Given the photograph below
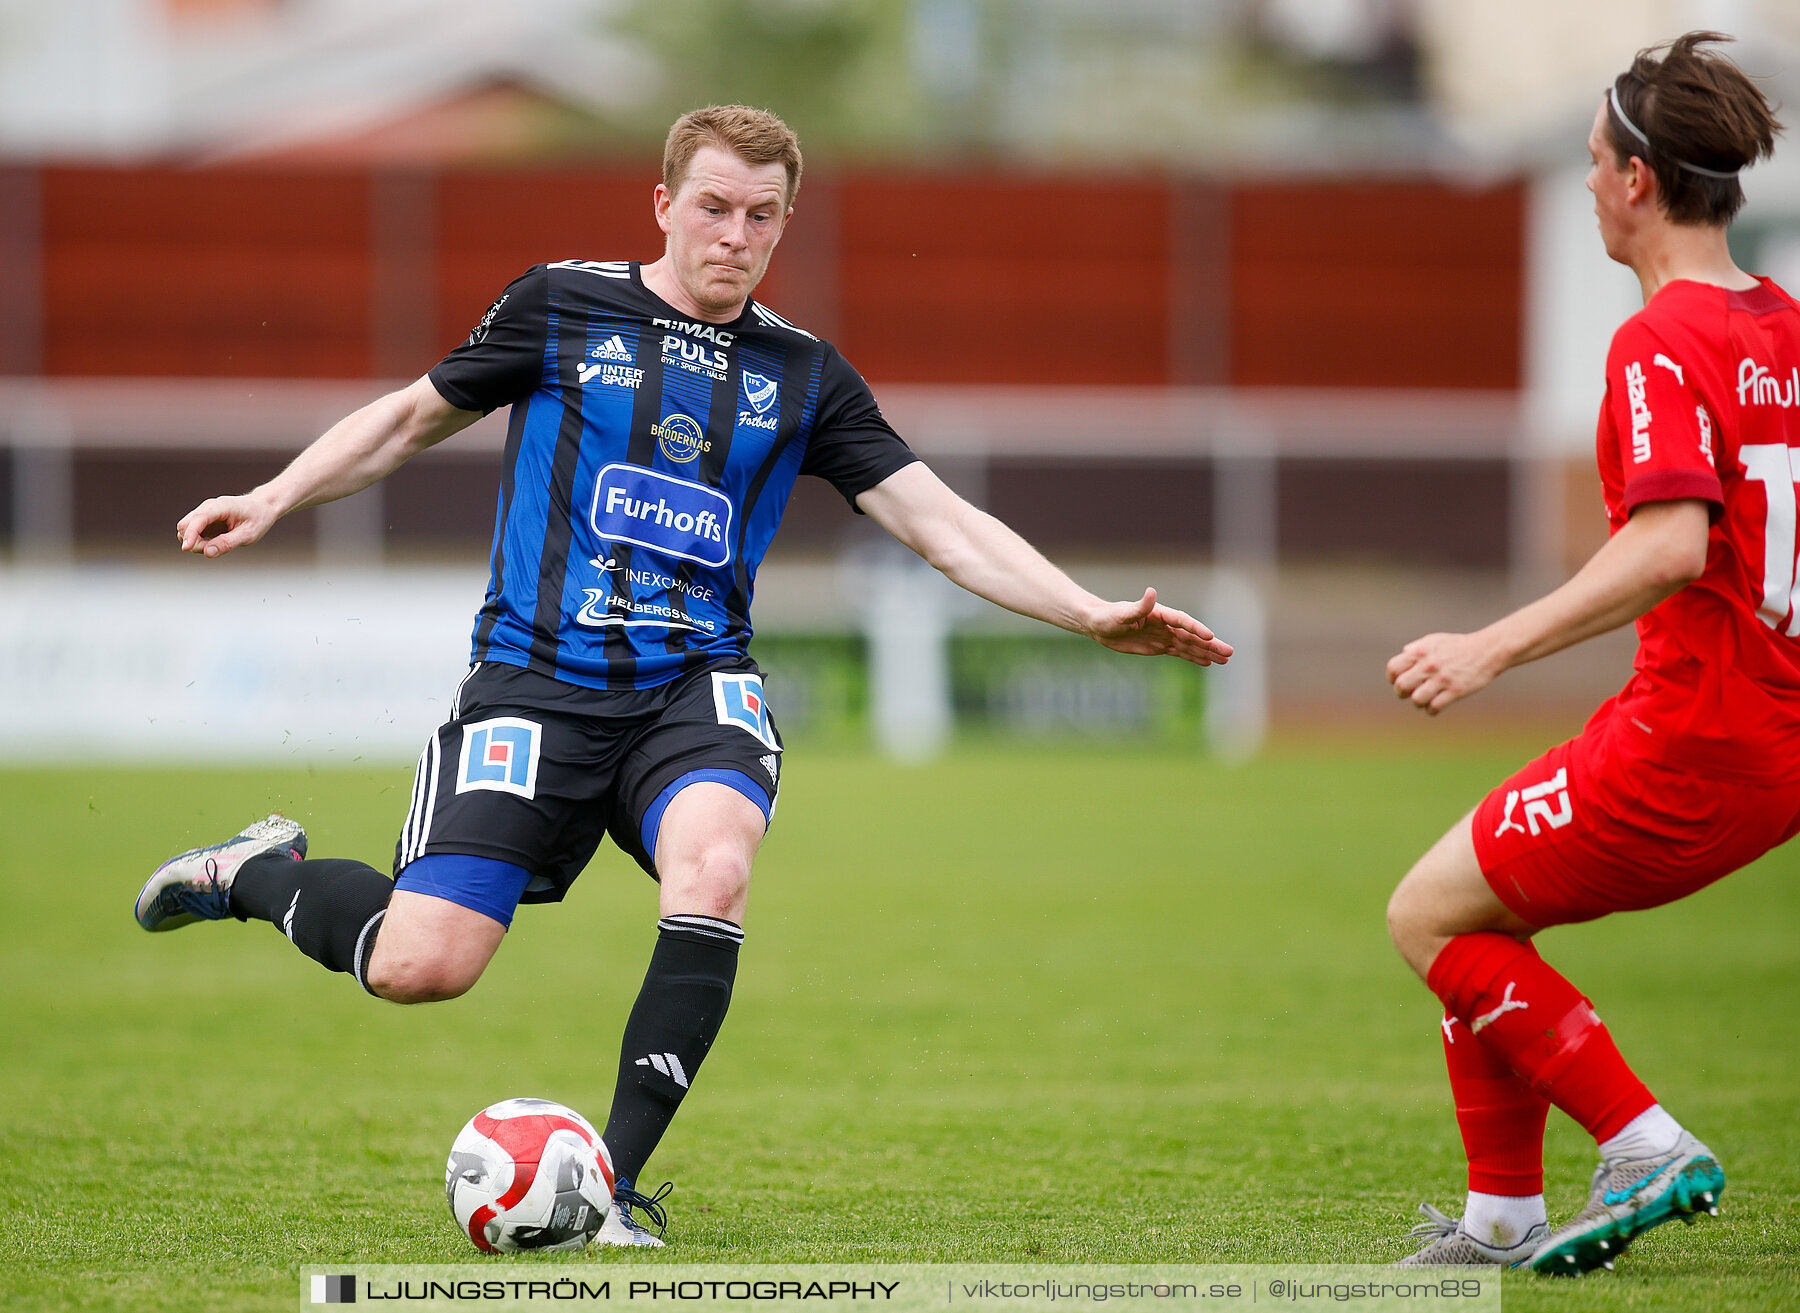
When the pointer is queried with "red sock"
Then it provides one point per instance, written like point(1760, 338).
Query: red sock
point(1517, 1005)
point(1501, 1117)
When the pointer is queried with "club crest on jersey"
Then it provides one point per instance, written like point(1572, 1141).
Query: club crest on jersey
point(501, 755)
point(739, 701)
point(680, 438)
point(675, 517)
point(759, 391)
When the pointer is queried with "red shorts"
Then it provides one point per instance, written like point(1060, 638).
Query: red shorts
point(1592, 827)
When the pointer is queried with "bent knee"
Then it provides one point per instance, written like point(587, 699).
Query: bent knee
point(710, 880)
point(1402, 913)
point(721, 862)
point(1414, 925)
point(717, 884)
point(419, 982)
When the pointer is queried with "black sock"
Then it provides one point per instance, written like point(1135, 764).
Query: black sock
point(330, 907)
point(673, 1024)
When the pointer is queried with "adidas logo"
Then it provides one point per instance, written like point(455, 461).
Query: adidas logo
point(613, 348)
point(669, 1065)
point(769, 764)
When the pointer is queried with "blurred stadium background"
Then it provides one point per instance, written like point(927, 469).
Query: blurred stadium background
point(1294, 308)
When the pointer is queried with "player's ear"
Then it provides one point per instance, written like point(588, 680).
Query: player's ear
point(660, 201)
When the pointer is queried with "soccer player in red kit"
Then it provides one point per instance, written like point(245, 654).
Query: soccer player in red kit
point(1693, 770)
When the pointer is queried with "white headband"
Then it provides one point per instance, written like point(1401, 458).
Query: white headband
point(1612, 96)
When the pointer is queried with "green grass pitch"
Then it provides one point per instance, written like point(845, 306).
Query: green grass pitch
point(1065, 1007)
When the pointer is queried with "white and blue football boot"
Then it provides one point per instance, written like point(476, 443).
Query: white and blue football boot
point(1628, 1197)
point(622, 1226)
point(196, 885)
point(1443, 1243)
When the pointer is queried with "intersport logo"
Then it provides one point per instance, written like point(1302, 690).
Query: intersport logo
point(675, 517)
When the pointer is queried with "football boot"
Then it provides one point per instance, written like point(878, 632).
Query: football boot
point(622, 1226)
point(1443, 1243)
point(1628, 1196)
point(196, 885)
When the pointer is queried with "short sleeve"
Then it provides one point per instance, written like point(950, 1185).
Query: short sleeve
point(1666, 434)
point(504, 357)
point(852, 445)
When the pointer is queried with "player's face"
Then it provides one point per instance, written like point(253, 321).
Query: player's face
point(1611, 185)
point(722, 226)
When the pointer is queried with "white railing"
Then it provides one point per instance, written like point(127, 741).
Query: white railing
point(1243, 431)
point(1240, 433)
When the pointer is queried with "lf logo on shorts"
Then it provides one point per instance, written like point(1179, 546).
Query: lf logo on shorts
point(739, 701)
point(1537, 800)
point(501, 755)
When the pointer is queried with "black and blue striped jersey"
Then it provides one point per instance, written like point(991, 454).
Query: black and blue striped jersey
point(648, 462)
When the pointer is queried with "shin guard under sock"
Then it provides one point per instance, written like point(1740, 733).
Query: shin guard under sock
point(330, 908)
point(1500, 1116)
point(1523, 1010)
point(672, 1026)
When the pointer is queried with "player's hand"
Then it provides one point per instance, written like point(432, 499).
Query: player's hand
point(1146, 628)
point(1438, 669)
point(219, 524)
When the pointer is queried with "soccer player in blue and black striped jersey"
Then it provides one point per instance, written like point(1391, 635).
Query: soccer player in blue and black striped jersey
point(659, 420)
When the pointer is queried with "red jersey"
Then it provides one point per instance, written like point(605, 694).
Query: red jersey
point(1703, 401)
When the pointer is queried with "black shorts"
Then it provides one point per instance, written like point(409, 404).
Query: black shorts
point(534, 771)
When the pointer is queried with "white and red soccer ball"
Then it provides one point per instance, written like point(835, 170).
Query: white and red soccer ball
point(529, 1174)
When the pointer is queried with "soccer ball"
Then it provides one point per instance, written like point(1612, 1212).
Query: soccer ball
point(528, 1174)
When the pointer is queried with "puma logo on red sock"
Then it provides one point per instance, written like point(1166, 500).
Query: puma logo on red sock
point(1507, 1004)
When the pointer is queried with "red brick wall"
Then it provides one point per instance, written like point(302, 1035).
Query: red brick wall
point(491, 227)
point(1376, 285)
point(994, 280)
point(215, 272)
point(949, 278)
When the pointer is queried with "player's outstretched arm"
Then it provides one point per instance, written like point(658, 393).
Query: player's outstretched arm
point(981, 554)
point(1660, 550)
point(360, 449)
